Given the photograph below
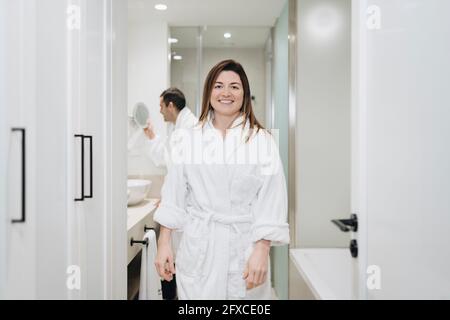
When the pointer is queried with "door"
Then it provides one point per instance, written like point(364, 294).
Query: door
point(401, 156)
point(18, 150)
point(98, 219)
point(3, 149)
point(63, 66)
point(87, 105)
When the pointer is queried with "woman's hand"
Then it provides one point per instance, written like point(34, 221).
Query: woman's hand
point(255, 273)
point(164, 258)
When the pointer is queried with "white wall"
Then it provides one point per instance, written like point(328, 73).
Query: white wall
point(323, 121)
point(252, 59)
point(148, 77)
point(184, 75)
point(117, 237)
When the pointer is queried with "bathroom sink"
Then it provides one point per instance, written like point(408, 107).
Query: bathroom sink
point(137, 190)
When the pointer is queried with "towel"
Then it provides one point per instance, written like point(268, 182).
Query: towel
point(150, 284)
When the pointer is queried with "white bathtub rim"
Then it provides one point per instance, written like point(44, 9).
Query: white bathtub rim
point(319, 289)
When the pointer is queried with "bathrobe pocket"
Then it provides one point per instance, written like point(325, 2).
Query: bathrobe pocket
point(192, 252)
point(240, 250)
point(244, 188)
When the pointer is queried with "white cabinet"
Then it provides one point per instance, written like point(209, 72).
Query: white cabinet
point(138, 218)
point(64, 65)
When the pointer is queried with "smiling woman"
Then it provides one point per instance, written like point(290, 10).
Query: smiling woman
point(230, 214)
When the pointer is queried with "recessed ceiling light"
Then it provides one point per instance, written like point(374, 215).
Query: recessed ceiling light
point(173, 40)
point(227, 35)
point(177, 57)
point(161, 7)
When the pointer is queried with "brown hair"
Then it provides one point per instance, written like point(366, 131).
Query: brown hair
point(247, 108)
point(175, 96)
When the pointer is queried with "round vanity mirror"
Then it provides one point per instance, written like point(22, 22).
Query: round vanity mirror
point(141, 114)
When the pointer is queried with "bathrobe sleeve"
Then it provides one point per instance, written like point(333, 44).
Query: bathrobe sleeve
point(171, 212)
point(270, 208)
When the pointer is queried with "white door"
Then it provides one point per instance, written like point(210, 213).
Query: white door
point(62, 74)
point(87, 106)
point(401, 152)
point(34, 250)
point(18, 149)
point(3, 150)
point(94, 152)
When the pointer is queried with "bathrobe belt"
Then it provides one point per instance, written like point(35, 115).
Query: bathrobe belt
point(209, 216)
point(210, 220)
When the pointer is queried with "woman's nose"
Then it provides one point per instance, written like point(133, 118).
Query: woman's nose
point(226, 92)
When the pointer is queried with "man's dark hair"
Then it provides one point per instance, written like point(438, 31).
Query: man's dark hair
point(175, 96)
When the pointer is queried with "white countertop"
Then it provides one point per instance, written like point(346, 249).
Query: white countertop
point(140, 211)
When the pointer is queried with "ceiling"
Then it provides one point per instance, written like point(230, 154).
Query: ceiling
point(255, 13)
point(212, 37)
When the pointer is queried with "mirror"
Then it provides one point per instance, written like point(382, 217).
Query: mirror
point(141, 115)
point(140, 118)
point(197, 49)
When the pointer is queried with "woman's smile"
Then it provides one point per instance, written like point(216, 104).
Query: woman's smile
point(226, 101)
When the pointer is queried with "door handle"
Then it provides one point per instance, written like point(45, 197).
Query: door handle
point(91, 177)
point(346, 225)
point(83, 195)
point(23, 218)
point(82, 167)
point(354, 248)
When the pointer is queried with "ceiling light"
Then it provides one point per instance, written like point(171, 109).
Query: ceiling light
point(173, 40)
point(161, 7)
point(177, 57)
point(227, 35)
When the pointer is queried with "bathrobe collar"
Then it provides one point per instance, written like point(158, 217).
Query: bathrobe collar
point(238, 123)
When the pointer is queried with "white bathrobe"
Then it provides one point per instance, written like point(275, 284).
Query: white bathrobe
point(159, 148)
point(224, 203)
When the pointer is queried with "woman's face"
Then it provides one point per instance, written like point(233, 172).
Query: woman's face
point(227, 94)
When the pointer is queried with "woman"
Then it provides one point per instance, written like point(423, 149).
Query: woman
point(231, 206)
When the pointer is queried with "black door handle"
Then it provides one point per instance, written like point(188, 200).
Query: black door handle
point(23, 218)
point(83, 195)
point(354, 248)
point(91, 177)
point(82, 167)
point(347, 225)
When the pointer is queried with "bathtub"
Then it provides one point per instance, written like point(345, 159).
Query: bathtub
point(327, 272)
